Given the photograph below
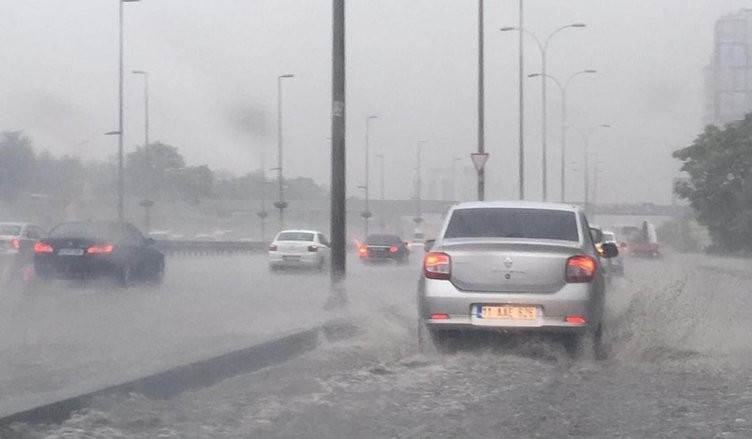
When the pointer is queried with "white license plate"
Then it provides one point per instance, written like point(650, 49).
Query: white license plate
point(508, 312)
point(71, 252)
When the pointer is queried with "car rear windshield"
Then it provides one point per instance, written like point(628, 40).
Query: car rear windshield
point(383, 240)
point(95, 231)
point(513, 223)
point(608, 237)
point(295, 236)
point(10, 230)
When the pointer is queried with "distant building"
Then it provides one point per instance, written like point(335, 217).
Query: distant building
point(728, 77)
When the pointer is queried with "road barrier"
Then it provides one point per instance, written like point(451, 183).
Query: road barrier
point(209, 248)
point(192, 376)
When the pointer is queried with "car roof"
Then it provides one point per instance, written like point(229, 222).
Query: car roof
point(517, 204)
point(299, 231)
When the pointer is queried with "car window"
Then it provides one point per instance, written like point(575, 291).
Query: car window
point(608, 237)
point(383, 240)
point(10, 230)
point(322, 240)
point(295, 236)
point(513, 223)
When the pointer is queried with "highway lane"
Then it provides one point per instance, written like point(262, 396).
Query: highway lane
point(70, 338)
point(679, 366)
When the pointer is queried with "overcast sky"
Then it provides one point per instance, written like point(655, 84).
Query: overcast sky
point(214, 64)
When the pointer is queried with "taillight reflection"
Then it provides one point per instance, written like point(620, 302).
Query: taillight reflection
point(437, 266)
point(581, 269)
point(15, 243)
point(41, 247)
point(100, 249)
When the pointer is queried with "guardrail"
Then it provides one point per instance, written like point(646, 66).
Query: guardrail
point(207, 248)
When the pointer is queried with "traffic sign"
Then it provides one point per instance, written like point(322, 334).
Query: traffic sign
point(479, 160)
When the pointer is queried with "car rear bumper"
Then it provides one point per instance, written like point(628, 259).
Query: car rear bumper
point(460, 309)
point(78, 268)
point(291, 260)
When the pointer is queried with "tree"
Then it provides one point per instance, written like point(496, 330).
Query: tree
point(195, 183)
point(153, 169)
point(16, 164)
point(719, 165)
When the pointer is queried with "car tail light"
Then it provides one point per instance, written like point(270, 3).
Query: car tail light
point(313, 248)
point(439, 316)
point(362, 250)
point(100, 249)
point(393, 249)
point(577, 320)
point(581, 269)
point(273, 248)
point(15, 243)
point(437, 266)
point(41, 247)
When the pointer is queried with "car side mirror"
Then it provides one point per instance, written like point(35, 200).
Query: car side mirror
point(596, 234)
point(428, 244)
point(609, 250)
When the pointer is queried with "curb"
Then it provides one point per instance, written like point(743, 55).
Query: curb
point(202, 373)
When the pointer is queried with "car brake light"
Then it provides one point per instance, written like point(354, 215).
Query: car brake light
point(99, 249)
point(273, 248)
point(393, 249)
point(41, 247)
point(581, 269)
point(437, 266)
point(577, 320)
point(362, 250)
point(313, 248)
point(439, 316)
point(15, 243)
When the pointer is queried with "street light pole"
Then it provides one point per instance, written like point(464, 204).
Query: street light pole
point(454, 177)
point(382, 221)
point(543, 47)
point(281, 204)
point(338, 180)
point(481, 103)
point(146, 104)
point(367, 185)
point(418, 195)
point(586, 141)
point(563, 88)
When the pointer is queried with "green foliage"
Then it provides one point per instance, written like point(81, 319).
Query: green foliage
point(16, 164)
point(719, 165)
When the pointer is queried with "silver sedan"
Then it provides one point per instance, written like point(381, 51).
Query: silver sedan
point(513, 266)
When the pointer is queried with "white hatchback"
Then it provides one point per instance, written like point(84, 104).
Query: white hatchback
point(299, 248)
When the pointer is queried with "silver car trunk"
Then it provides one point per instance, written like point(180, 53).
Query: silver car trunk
point(505, 266)
point(293, 247)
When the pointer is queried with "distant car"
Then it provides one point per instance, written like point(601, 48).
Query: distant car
point(419, 240)
point(380, 248)
point(17, 248)
point(299, 249)
point(514, 266)
point(615, 265)
point(87, 250)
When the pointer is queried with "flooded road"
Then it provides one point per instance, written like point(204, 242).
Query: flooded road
point(679, 365)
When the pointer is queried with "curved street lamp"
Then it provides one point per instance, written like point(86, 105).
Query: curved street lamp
point(543, 47)
point(563, 88)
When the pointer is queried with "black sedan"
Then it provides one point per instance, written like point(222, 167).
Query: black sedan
point(384, 248)
point(87, 250)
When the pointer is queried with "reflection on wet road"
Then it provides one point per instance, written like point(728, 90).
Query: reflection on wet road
point(679, 366)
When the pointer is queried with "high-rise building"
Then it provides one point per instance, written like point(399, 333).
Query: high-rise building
point(728, 77)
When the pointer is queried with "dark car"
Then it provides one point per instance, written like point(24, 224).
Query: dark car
point(384, 248)
point(87, 250)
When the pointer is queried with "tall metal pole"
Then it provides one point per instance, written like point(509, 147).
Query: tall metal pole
point(382, 221)
point(544, 132)
point(418, 186)
point(563, 183)
point(338, 200)
point(121, 181)
point(281, 204)
point(481, 103)
point(146, 103)
point(367, 210)
point(522, 104)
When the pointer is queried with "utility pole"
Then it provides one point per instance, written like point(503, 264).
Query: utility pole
point(338, 201)
point(522, 103)
point(281, 204)
point(382, 221)
point(367, 186)
point(418, 183)
point(481, 103)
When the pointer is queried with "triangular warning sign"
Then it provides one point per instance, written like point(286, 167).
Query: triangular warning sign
point(479, 160)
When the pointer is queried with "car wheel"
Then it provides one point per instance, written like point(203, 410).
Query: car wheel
point(125, 276)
